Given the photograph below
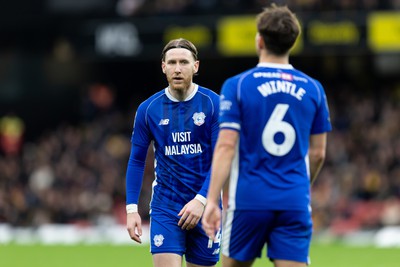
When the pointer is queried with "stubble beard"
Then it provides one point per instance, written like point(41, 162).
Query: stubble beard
point(180, 89)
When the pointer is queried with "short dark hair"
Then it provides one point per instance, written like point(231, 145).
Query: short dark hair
point(179, 43)
point(279, 28)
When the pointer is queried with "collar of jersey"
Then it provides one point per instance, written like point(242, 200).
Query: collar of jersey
point(275, 65)
point(196, 87)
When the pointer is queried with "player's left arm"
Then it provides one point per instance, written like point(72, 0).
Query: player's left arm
point(316, 153)
point(202, 194)
point(318, 138)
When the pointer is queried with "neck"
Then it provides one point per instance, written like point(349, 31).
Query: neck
point(270, 58)
point(181, 94)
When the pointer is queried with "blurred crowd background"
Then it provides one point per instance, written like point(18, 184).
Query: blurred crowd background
point(66, 118)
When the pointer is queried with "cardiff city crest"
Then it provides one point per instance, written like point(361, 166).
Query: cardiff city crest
point(198, 118)
point(158, 240)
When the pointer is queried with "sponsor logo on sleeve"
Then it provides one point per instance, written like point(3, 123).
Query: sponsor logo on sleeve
point(225, 105)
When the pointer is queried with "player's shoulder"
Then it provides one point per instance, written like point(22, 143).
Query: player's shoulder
point(301, 76)
point(207, 91)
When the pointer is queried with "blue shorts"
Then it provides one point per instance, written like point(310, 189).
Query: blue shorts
point(287, 235)
point(167, 237)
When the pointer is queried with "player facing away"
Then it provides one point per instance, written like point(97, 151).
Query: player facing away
point(273, 128)
point(181, 122)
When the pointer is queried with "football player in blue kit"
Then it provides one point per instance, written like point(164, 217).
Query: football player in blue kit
point(273, 133)
point(181, 122)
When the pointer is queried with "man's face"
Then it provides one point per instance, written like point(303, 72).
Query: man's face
point(179, 67)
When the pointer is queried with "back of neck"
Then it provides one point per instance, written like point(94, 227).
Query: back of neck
point(270, 58)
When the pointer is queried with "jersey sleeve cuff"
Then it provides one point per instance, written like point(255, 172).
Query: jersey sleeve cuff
point(202, 199)
point(131, 208)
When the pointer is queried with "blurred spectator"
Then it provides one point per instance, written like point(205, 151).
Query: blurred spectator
point(395, 4)
point(127, 8)
point(391, 212)
point(62, 68)
point(12, 130)
point(188, 7)
point(98, 100)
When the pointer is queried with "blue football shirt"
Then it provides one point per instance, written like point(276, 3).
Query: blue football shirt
point(275, 108)
point(184, 135)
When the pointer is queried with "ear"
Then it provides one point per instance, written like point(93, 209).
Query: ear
point(163, 66)
point(259, 42)
point(196, 66)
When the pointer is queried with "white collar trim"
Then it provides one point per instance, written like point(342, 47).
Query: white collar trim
point(275, 65)
point(172, 98)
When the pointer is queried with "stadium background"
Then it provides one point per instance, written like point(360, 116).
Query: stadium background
point(73, 72)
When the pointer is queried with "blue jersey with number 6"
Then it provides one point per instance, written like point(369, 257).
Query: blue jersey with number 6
point(275, 108)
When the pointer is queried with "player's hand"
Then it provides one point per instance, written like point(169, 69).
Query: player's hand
point(211, 221)
point(134, 226)
point(190, 214)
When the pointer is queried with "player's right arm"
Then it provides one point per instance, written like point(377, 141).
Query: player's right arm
point(134, 226)
point(134, 179)
point(221, 166)
point(223, 155)
point(134, 173)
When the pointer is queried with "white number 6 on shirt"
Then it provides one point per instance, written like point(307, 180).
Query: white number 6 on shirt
point(274, 125)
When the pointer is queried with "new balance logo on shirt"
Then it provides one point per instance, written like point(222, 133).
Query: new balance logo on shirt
point(164, 122)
